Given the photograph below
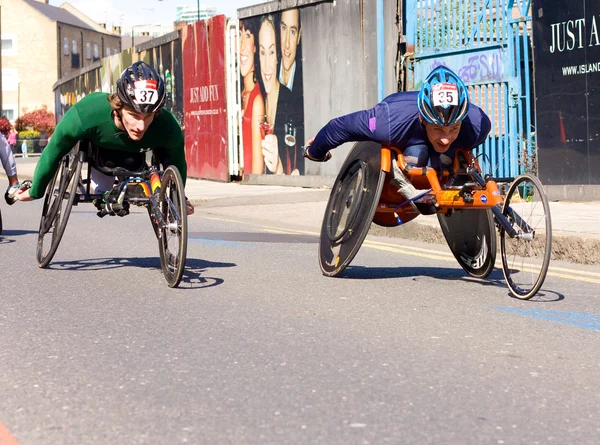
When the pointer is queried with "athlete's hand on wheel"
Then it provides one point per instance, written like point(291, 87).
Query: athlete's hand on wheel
point(189, 207)
point(307, 155)
point(23, 192)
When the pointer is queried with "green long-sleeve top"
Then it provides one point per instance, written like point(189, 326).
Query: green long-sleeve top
point(91, 119)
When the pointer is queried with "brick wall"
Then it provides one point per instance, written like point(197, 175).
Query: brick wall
point(35, 58)
point(39, 59)
point(99, 45)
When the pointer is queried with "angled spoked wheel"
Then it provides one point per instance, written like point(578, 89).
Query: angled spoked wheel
point(525, 258)
point(172, 226)
point(351, 206)
point(58, 203)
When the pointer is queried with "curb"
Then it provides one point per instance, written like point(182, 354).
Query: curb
point(573, 249)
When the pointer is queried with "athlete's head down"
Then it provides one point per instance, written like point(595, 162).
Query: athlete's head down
point(443, 103)
point(140, 95)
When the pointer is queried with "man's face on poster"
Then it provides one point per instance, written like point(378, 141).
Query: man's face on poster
point(290, 36)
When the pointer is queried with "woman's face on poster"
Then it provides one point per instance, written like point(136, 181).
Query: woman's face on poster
point(247, 50)
point(267, 55)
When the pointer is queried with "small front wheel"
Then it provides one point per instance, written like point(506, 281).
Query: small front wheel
point(526, 256)
point(172, 226)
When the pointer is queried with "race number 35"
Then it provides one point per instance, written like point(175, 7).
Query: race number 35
point(444, 94)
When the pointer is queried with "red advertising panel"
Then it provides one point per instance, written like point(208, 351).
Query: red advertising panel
point(204, 99)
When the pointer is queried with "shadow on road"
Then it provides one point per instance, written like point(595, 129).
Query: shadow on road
point(193, 276)
point(496, 278)
point(9, 232)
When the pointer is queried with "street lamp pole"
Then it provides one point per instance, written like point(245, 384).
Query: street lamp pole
point(198, 10)
point(18, 100)
point(132, 41)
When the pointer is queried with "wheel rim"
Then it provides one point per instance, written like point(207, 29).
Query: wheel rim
point(525, 258)
point(173, 229)
point(349, 194)
point(56, 209)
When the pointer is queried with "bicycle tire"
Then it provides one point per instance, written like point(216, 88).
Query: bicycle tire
point(1, 222)
point(171, 201)
point(54, 218)
point(528, 222)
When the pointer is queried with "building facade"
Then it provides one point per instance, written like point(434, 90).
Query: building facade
point(41, 44)
point(191, 14)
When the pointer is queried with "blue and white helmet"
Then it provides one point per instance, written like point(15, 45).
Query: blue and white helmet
point(444, 98)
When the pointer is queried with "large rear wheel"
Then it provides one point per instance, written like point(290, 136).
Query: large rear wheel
point(351, 206)
point(58, 202)
point(525, 258)
point(172, 226)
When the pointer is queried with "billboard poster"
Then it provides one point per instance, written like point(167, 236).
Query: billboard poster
point(567, 88)
point(270, 58)
point(205, 109)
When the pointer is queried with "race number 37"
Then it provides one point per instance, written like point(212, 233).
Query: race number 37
point(444, 94)
point(146, 92)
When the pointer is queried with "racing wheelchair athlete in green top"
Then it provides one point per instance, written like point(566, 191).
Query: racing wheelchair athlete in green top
point(112, 134)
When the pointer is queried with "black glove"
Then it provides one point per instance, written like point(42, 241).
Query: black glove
point(10, 196)
point(307, 155)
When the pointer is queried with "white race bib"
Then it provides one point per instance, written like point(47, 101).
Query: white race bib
point(444, 94)
point(146, 92)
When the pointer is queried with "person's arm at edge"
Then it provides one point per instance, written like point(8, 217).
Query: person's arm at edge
point(8, 160)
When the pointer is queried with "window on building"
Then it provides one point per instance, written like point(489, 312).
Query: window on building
point(96, 51)
point(74, 47)
point(66, 46)
point(9, 111)
point(107, 52)
point(9, 45)
point(10, 79)
point(115, 51)
point(88, 51)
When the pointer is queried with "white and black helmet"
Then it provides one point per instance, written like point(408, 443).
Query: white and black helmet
point(141, 88)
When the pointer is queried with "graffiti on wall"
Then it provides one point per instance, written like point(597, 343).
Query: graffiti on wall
point(70, 92)
point(485, 67)
point(270, 58)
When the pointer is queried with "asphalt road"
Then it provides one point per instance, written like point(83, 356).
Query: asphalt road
point(257, 347)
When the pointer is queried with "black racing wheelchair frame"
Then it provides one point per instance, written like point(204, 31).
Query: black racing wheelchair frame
point(161, 192)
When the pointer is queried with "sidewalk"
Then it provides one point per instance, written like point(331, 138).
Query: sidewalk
point(576, 225)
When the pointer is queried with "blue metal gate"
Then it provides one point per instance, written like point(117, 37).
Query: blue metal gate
point(487, 43)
